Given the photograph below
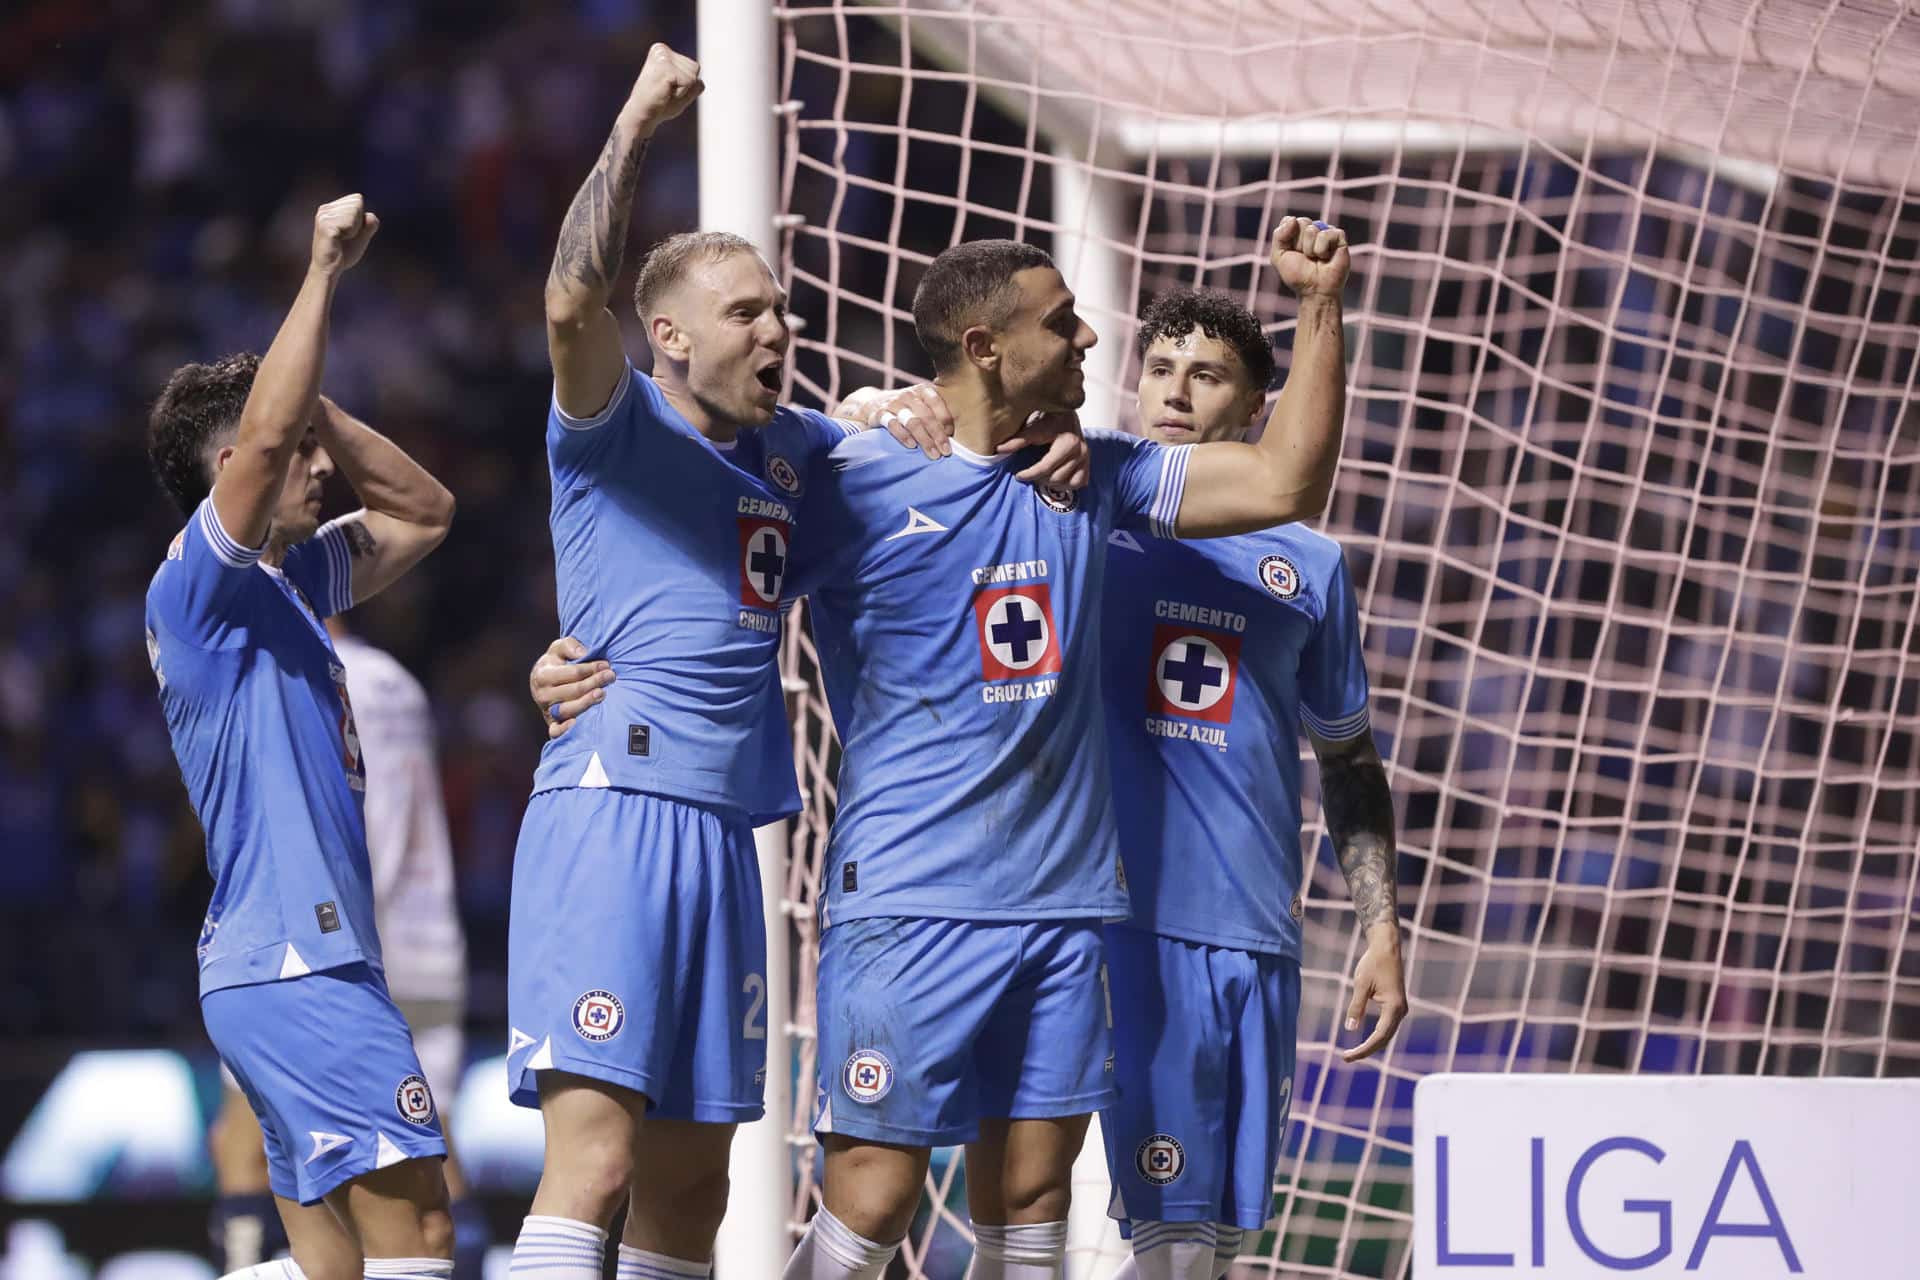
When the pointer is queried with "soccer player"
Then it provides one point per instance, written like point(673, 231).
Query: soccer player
point(255, 697)
point(1218, 653)
point(422, 943)
point(636, 964)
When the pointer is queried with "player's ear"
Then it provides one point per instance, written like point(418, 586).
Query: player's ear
point(978, 346)
point(668, 338)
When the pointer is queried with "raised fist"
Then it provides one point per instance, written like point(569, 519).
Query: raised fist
point(667, 85)
point(1310, 256)
point(341, 230)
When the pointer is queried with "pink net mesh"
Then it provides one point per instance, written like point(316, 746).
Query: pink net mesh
point(1631, 491)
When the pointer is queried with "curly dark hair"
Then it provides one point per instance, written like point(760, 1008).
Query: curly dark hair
point(1178, 312)
point(969, 284)
point(200, 404)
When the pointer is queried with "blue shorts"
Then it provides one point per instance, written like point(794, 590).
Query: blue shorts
point(1205, 1044)
point(928, 1027)
point(637, 952)
point(328, 1066)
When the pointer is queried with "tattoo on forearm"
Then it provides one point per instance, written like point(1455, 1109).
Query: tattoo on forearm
point(360, 541)
point(1359, 812)
point(595, 230)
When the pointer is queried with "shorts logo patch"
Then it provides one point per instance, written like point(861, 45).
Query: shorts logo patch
point(598, 1016)
point(1160, 1159)
point(1279, 577)
point(414, 1101)
point(868, 1076)
point(781, 472)
point(1057, 498)
point(1298, 909)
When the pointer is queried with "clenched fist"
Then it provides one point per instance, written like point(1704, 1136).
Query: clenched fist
point(1310, 256)
point(341, 230)
point(667, 85)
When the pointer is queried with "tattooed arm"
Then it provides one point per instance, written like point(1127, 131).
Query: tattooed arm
point(1359, 813)
point(583, 338)
point(406, 512)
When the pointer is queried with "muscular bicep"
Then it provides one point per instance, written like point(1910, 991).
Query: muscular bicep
point(588, 362)
point(381, 547)
point(1236, 488)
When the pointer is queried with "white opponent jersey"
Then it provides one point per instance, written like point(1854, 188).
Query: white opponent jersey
point(413, 895)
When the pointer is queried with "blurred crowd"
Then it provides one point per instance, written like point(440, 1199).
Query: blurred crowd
point(161, 163)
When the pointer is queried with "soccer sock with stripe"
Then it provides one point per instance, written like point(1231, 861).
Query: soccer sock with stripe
point(1032, 1251)
point(1226, 1247)
point(408, 1268)
point(831, 1250)
point(1170, 1251)
point(638, 1264)
point(558, 1249)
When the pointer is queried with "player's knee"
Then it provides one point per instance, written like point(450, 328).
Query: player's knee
point(436, 1231)
point(873, 1193)
point(596, 1170)
point(1039, 1194)
point(702, 1201)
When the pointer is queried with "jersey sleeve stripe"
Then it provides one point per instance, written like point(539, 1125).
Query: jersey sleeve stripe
point(1165, 510)
point(333, 540)
point(613, 404)
point(224, 548)
point(846, 428)
point(1342, 730)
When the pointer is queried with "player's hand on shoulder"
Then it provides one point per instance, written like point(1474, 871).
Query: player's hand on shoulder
point(563, 686)
point(1068, 461)
point(916, 416)
point(1311, 256)
point(667, 85)
point(342, 229)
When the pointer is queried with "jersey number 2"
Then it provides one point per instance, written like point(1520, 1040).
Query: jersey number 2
point(752, 1028)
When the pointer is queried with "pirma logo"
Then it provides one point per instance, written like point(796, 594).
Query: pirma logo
point(598, 1016)
point(1160, 1159)
point(413, 1100)
point(868, 1075)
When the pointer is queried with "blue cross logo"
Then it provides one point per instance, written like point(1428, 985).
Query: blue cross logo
point(767, 563)
point(1194, 673)
point(1017, 632)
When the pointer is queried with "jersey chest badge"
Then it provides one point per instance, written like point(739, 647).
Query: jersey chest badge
point(781, 474)
point(763, 561)
point(1056, 498)
point(1018, 640)
point(1190, 690)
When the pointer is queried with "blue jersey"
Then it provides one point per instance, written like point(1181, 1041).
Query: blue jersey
point(670, 557)
point(957, 616)
point(256, 702)
point(1217, 653)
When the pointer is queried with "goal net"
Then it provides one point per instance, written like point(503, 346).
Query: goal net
point(1631, 489)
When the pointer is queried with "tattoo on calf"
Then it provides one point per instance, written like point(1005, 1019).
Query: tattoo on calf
point(1359, 812)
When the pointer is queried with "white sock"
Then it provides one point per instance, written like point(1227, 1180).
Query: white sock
point(1034, 1251)
point(638, 1264)
point(558, 1249)
point(278, 1269)
point(1226, 1247)
point(409, 1268)
point(831, 1250)
point(1171, 1251)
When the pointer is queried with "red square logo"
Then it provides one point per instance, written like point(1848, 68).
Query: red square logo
point(1195, 672)
point(1017, 635)
point(763, 562)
